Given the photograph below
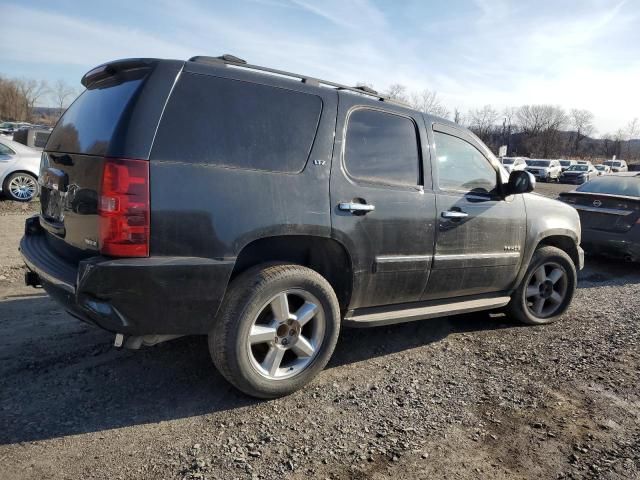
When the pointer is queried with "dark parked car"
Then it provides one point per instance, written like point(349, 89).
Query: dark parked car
point(609, 207)
point(269, 210)
point(579, 173)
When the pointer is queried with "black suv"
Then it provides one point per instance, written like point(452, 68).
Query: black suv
point(268, 209)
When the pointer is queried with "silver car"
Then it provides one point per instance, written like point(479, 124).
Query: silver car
point(19, 166)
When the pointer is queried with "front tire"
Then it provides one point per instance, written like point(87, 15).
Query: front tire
point(276, 330)
point(547, 288)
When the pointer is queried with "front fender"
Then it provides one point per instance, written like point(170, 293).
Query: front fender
point(547, 218)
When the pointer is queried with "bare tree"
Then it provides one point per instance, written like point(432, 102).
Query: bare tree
point(427, 101)
point(482, 121)
point(582, 122)
point(397, 91)
point(631, 132)
point(457, 116)
point(32, 91)
point(61, 94)
point(541, 125)
point(12, 102)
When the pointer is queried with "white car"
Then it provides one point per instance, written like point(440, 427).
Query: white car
point(565, 164)
point(514, 163)
point(603, 169)
point(617, 165)
point(544, 170)
point(19, 167)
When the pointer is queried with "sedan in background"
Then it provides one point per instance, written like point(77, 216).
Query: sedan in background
point(603, 169)
point(19, 168)
point(514, 163)
point(579, 173)
point(609, 209)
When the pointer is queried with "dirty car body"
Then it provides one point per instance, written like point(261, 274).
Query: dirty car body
point(279, 171)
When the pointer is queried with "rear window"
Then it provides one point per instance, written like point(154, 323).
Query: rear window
point(89, 123)
point(538, 163)
point(237, 124)
point(613, 185)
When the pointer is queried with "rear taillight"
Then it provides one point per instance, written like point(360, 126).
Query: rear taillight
point(124, 208)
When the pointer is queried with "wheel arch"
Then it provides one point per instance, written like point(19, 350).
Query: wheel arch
point(564, 239)
point(325, 255)
point(565, 243)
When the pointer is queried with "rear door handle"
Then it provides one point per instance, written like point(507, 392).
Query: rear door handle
point(356, 207)
point(454, 214)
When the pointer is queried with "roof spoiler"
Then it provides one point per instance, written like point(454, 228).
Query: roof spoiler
point(116, 69)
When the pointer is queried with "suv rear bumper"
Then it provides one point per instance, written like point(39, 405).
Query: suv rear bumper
point(133, 296)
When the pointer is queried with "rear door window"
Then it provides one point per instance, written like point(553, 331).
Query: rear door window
point(382, 148)
point(4, 150)
point(237, 124)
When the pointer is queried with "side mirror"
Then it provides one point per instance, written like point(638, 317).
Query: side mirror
point(520, 181)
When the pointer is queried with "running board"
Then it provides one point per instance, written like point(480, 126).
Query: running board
point(401, 315)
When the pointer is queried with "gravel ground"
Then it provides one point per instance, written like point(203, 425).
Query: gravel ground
point(474, 396)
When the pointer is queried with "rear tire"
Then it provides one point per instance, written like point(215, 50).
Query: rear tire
point(21, 187)
point(277, 329)
point(547, 288)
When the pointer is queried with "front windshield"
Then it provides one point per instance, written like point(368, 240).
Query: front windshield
point(538, 163)
point(507, 161)
point(600, 167)
point(578, 168)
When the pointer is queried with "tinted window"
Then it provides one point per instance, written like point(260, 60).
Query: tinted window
point(461, 166)
point(237, 124)
point(89, 123)
point(382, 148)
point(4, 150)
point(613, 185)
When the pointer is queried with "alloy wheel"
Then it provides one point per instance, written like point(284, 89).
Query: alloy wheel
point(23, 187)
point(286, 335)
point(546, 290)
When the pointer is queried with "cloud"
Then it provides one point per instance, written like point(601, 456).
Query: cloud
point(54, 38)
point(574, 53)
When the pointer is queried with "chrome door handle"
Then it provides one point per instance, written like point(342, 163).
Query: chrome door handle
point(454, 214)
point(356, 207)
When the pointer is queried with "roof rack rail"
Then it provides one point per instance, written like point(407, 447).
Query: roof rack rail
point(232, 60)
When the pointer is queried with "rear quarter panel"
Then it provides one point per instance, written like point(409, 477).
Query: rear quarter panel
point(210, 211)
